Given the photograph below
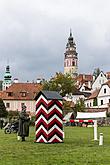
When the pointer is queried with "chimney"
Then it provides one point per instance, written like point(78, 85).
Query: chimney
point(15, 80)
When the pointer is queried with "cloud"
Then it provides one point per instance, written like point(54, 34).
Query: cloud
point(33, 35)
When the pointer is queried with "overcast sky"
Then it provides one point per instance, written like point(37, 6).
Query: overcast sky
point(33, 36)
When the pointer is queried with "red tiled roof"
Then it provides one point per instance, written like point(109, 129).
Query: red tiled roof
point(96, 109)
point(17, 90)
point(107, 83)
point(108, 75)
point(1, 93)
point(84, 77)
point(94, 94)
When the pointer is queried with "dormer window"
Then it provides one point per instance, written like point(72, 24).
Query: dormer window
point(23, 93)
point(10, 94)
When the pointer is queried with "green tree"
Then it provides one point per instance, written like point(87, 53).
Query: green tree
point(95, 102)
point(67, 107)
point(13, 115)
point(63, 83)
point(96, 72)
point(3, 112)
point(79, 106)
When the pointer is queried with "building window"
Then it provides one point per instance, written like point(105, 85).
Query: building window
point(7, 105)
point(101, 102)
point(73, 63)
point(22, 104)
point(67, 63)
point(105, 90)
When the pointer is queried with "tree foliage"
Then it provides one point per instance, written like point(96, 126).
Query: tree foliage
point(96, 72)
point(79, 106)
point(95, 102)
point(64, 84)
point(67, 107)
point(3, 112)
point(13, 115)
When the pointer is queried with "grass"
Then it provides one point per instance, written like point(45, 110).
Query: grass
point(78, 148)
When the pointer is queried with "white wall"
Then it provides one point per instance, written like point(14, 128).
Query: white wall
point(104, 96)
point(16, 105)
point(89, 103)
point(101, 79)
point(74, 98)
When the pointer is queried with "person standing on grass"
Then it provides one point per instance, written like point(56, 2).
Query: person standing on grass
point(1, 123)
point(23, 129)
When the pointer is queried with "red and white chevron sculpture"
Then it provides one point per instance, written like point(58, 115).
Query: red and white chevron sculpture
point(49, 120)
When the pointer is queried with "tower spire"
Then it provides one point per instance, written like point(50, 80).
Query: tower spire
point(70, 32)
point(7, 78)
point(71, 59)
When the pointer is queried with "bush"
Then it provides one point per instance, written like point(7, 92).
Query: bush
point(108, 114)
point(32, 121)
point(13, 115)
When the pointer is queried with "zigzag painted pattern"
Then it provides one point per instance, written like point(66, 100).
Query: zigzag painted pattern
point(49, 124)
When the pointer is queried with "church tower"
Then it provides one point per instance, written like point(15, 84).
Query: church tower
point(7, 78)
point(71, 59)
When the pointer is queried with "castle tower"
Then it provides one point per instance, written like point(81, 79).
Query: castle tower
point(71, 59)
point(7, 78)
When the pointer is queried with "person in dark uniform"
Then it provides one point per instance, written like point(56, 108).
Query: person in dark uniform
point(23, 129)
point(1, 123)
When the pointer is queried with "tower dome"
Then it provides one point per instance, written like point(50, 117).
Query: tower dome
point(7, 75)
point(7, 78)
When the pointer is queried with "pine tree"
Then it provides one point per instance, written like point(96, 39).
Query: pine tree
point(3, 112)
point(96, 72)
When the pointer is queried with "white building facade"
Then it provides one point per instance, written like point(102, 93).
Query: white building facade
point(103, 98)
point(99, 98)
point(101, 79)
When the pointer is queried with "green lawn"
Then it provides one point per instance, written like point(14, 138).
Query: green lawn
point(78, 148)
